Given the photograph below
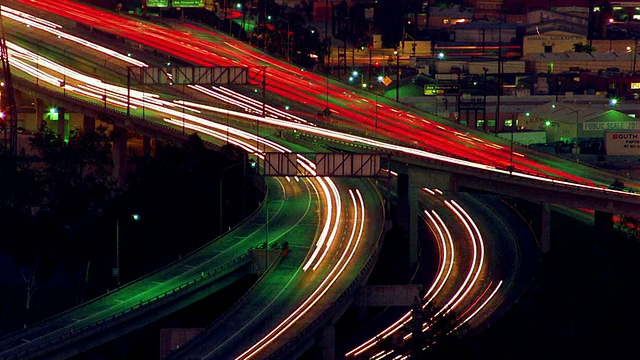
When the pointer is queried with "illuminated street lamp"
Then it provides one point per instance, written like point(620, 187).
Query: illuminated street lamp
point(116, 271)
point(395, 52)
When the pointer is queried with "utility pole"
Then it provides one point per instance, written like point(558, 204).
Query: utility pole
point(499, 78)
point(635, 56)
point(12, 113)
point(397, 75)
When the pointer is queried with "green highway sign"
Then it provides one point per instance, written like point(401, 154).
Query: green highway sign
point(448, 89)
point(158, 3)
point(188, 3)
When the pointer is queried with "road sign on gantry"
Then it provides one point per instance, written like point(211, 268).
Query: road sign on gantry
point(281, 164)
point(158, 3)
point(439, 89)
point(349, 165)
point(188, 3)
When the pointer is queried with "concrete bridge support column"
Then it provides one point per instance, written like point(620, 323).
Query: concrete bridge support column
point(62, 124)
point(603, 226)
point(407, 212)
point(327, 342)
point(39, 105)
point(146, 145)
point(545, 228)
point(88, 124)
point(119, 154)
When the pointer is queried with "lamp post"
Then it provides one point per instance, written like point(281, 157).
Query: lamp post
point(116, 270)
point(395, 52)
point(513, 124)
point(577, 126)
point(221, 177)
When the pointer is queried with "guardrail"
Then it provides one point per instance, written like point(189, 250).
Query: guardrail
point(101, 324)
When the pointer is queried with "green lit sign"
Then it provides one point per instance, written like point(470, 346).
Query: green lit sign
point(449, 89)
point(188, 3)
point(158, 3)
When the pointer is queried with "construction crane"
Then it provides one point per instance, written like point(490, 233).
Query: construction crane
point(9, 109)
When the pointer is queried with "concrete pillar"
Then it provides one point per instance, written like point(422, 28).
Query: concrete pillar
point(328, 342)
point(545, 228)
point(414, 210)
point(61, 124)
point(146, 145)
point(17, 95)
point(40, 110)
point(402, 205)
point(88, 124)
point(119, 154)
point(407, 212)
point(603, 226)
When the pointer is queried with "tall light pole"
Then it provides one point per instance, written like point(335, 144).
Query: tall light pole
point(116, 270)
point(221, 177)
point(577, 112)
point(513, 124)
point(395, 52)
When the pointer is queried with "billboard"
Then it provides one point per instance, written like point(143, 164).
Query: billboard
point(622, 142)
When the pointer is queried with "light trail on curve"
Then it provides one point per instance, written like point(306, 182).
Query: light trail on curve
point(476, 303)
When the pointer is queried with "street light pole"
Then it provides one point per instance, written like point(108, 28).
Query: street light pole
point(221, 178)
point(395, 52)
point(513, 123)
point(116, 271)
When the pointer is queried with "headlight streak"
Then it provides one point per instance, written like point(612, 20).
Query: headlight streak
point(444, 158)
point(327, 282)
point(40, 24)
point(443, 234)
point(198, 46)
point(7, 10)
point(486, 301)
point(249, 104)
point(338, 206)
point(437, 220)
point(332, 222)
point(437, 225)
point(477, 260)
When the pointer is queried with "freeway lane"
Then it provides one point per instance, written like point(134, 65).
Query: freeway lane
point(293, 208)
point(352, 107)
point(479, 275)
point(293, 298)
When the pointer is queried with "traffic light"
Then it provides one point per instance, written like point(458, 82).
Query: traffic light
point(547, 123)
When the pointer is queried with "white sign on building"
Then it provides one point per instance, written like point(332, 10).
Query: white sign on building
point(622, 142)
point(610, 125)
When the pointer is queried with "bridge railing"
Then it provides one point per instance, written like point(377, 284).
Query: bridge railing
point(99, 325)
point(567, 185)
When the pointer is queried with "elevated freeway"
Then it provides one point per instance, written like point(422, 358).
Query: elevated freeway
point(296, 212)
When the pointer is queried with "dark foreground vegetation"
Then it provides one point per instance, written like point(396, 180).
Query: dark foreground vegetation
point(61, 211)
